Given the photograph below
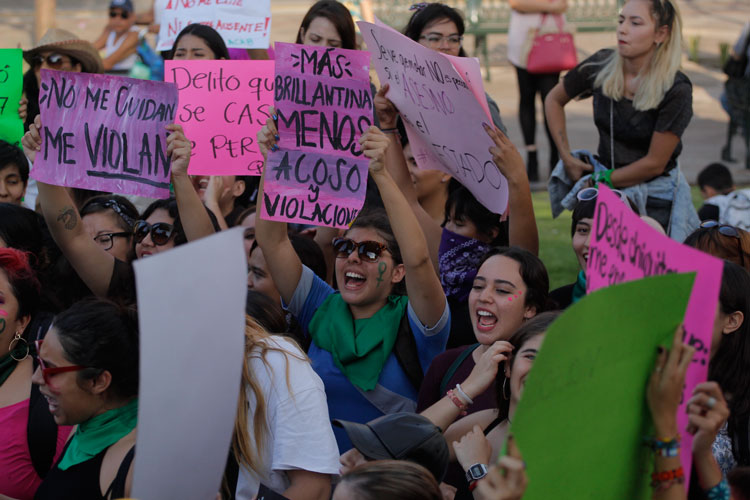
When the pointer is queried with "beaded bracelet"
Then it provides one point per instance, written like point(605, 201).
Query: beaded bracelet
point(720, 491)
point(662, 480)
point(664, 447)
point(457, 401)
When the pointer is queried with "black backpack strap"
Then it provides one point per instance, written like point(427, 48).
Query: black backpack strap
point(406, 353)
point(454, 366)
point(117, 487)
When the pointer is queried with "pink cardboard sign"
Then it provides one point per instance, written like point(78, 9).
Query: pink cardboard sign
point(624, 248)
point(223, 105)
point(440, 110)
point(324, 104)
point(105, 133)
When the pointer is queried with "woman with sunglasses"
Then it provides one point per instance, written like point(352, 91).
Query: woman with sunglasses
point(88, 373)
point(722, 241)
point(642, 106)
point(119, 39)
point(354, 332)
point(30, 438)
point(103, 273)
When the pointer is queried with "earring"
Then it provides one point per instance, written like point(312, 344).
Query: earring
point(505, 387)
point(14, 344)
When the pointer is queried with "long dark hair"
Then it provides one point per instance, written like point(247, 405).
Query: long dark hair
point(207, 34)
point(428, 15)
point(730, 365)
point(339, 16)
point(533, 273)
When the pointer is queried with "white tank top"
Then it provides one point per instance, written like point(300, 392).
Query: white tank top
point(112, 45)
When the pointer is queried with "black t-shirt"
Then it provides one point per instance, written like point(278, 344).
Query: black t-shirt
point(633, 129)
point(708, 212)
point(122, 285)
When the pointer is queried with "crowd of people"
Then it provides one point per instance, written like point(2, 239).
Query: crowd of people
point(386, 360)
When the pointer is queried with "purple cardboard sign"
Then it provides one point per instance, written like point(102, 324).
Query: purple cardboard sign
point(105, 133)
point(323, 103)
point(313, 188)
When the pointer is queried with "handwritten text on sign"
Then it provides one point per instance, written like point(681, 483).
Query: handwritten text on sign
point(243, 24)
point(442, 116)
point(223, 105)
point(323, 104)
point(105, 133)
point(624, 248)
point(11, 86)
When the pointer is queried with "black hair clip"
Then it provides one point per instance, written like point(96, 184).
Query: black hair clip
point(418, 6)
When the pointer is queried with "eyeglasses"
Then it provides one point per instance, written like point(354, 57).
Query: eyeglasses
point(435, 39)
point(161, 232)
point(369, 251)
point(729, 231)
point(54, 60)
point(48, 373)
point(107, 240)
point(123, 14)
point(591, 193)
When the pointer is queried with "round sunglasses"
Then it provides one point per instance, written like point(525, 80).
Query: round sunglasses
point(729, 231)
point(161, 232)
point(369, 251)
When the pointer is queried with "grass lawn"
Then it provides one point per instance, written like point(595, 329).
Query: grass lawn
point(554, 240)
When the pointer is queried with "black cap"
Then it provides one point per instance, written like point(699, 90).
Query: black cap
point(401, 436)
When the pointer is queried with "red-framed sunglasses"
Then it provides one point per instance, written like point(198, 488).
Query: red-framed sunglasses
point(48, 373)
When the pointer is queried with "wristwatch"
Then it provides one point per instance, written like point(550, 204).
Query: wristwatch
point(476, 472)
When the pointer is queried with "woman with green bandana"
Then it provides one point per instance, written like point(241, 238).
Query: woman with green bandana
point(88, 372)
point(370, 344)
point(29, 438)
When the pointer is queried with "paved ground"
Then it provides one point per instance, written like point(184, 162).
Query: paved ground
point(708, 22)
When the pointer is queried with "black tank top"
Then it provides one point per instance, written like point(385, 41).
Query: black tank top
point(81, 481)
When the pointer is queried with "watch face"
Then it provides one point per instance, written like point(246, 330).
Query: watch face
point(477, 471)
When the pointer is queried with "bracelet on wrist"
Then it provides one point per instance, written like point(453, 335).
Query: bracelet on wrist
point(720, 491)
point(463, 395)
point(392, 130)
point(663, 480)
point(462, 407)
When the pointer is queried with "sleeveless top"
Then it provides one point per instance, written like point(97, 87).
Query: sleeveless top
point(81, 481)
point(112, 45)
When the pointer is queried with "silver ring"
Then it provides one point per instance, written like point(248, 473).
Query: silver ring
point(711, 402)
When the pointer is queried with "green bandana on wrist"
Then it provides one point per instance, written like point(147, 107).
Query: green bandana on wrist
point(99, 433)
point(360, 347)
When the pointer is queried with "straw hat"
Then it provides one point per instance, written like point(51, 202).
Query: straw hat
point(66, 43)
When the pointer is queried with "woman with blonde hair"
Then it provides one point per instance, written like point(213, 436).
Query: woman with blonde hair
point(283, 437)
point(642, 106)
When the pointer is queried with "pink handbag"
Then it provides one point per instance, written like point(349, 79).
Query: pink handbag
point(551, 52)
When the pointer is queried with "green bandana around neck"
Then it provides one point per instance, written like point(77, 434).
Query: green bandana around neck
point(579, 288)
point(359, 347)
point(8, 364)
point(99, 433)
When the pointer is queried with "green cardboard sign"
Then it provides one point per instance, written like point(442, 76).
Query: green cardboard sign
point(11, 89)
point(583, 414)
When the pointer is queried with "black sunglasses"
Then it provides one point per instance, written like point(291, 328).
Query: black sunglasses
point(161, 232)
point(729, 231)
point(123, 14)
point(369, 251)
point(54, 60)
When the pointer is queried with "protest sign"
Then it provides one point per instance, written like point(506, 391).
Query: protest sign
point(243, 24)
point(440, 110)
point(624, 248)
point(105, 133)
point(11, 89)
point(223, 105)
point(324, 104)
point(583, 414)
point(191, 351)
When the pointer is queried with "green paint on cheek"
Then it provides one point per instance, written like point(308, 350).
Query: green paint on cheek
point(2, 325)
point(381, 269)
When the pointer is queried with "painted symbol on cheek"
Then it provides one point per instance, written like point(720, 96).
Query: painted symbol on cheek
point(381, 269)
point(2, 325)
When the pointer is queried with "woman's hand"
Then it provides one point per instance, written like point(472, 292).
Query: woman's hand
point(485, 371)
point(473, 448)
point(32, 140)
point(505, 481)
point(447, 491)
point(215, 190)
point(374, 143)
point(384, 109)
point(575, 168)
point(23, 108)
point(505, 155)
point(268, 135)
point(666, 385)
point(178, 149)
point(707, 413)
